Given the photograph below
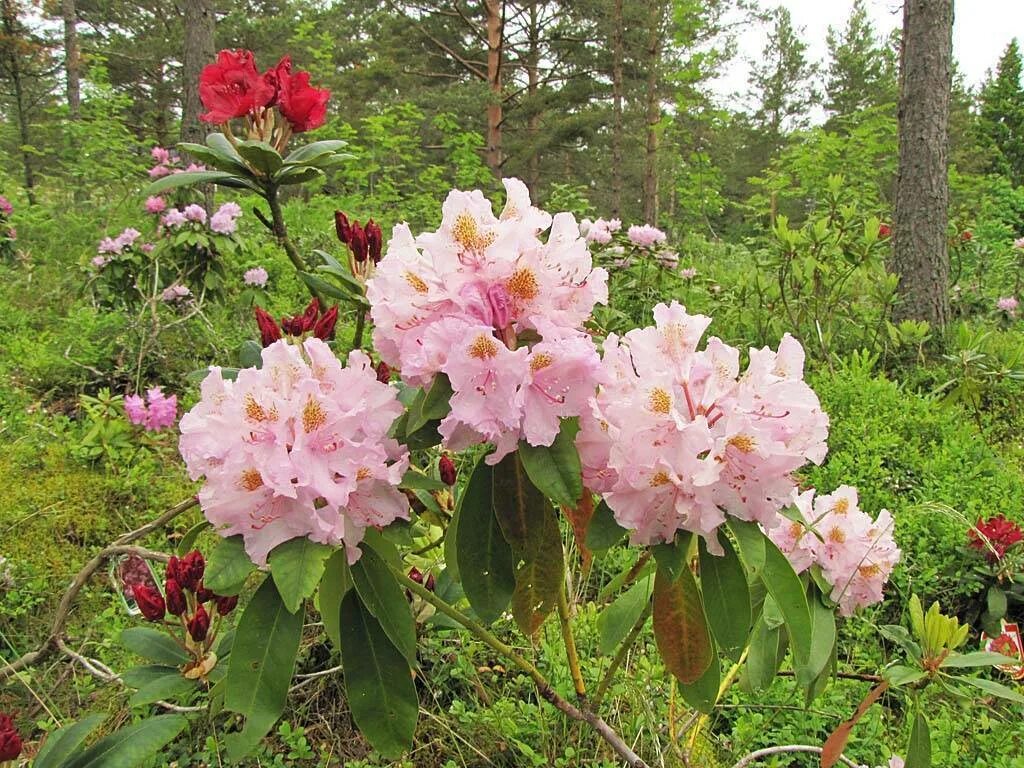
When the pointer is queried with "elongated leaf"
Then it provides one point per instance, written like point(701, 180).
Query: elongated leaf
point(993, 688)
point(186, 179)
point(900, 674)
point(138, 677)
point(381, 693)
point(485, 561)
point(433, 404)
point(330, 290)
point(977, 659)
point(615, 621)
point(384, 598)
point(260, 155)
point(131, 746)
point(833, 747)
point(188, 541)
point(261, 664)
point(313, 150)
point(519, 506)
point(218, 142)
point(336, 582)
point(62, 743)
point(603, 532)
point(919, 750)
point(540, 577)
point(228, 567)
point(723, 583)
point(215, 158)
point(750, 541)
point(995, 601)
point(297, 566)
point(154, 645)
point(680, 627)
point(415, 480)
point(823, 640)
point(166, 688)
point(767, 648)
point(555, 469)
point(702, 694)
point(674, 557)
point(297, 175)
point(788, 591)
point(899, 635)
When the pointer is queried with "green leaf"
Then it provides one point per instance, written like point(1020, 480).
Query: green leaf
point(680, 627)
point(261, 665)
point(381, 594)
point(750, 541)
point(603, 532)
point(899, 674)
point(188, 541)
point(919, 751)
point(723, 583)
point(977, 659)
point(823, 640)
point(615, 621)
point(250, 354)
point(63, 743)
point(216, 158)
point(788, 591)
point(314, 150)
point(995, 601)
point(702, 694)
point(297, 175)
point(519, 506)
point(260, 156)
point(413, 479)
point(297, 566)
point(381, 692)
point(138, 677)
point(555, 469)
point(899, 635)
point(993, 688)
point(541, 576)
point(228, 566)
point(767, 648)
point(186, 179)
point(131, 746)
point(673, 558)
point(485, 561)
point(330, 290)
point(336, 582)
point(154, 645)
point(166, 688)
point(432, 404)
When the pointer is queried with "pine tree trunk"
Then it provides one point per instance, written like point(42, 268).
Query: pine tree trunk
point(920, 255)
point(495, 32)
point(532, 88)
point(72, 58)
point(10, 19)
point(199, 23)
point(617, 128)
point(653, 117)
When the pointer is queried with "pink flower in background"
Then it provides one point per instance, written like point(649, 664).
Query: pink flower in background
point(127, 238)
point(147, 247)
point(645, 236)
point(155, 204)
point(297, 448)
point(160, 155)
point(5, 206)
point(1008, 304)
point(1019, 242)
point(174, 218)
point(195, 213)
point(175, 292)
point(99, 261)
point(192, 168)
point(109, 245)
point(600, 231)
point(257, 276)
point(224, 220)
point(155, 413)
point(158, 171)
point(688, 273)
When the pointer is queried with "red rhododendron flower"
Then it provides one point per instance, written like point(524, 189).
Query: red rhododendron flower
point(1001, 534)
point(150, 602)
point(276, 75)
point(10, 741)
point(302, 105)
point(884, 230)
point(232, 87)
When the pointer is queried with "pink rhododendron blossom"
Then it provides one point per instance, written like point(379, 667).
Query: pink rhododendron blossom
point(224, 219)
point(128, 237)
point(5, 206)
point(256, 276)
point(498, 310)
point(600, 231)
point(645, 236)
point(174, 218)
point(676, 438)
point(1008, 304)
point(158, 171)
point(195, 213)
point(155, 204)
point(109, 245)
point(297, 448)
point(175, 292)
point(1019, 242)
point(792, 534)
point(160, 155)
point(155, 413)
point(99, 261)
point(192, 168)
point(147, 247)
point(688, 273)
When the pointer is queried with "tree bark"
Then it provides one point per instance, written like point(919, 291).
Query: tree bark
point(618, 46)
point(650, 185)
point(10, 25)
point(532, 89)
point(72, 58)
point(199, 23)
point(920, 257)
point(495, 33)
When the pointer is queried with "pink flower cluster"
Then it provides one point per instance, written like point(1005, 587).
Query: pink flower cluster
point(257, 277)
point(225, 219)
point(5, 206)
point(295, 448)
point(499, 311)
point(166, 164)
point(645, 236)
point(175, 292)
point(155, 204)
point(154, 413)
point(1019, 243)
point(1008, 304)
point(116, 245)
point(676, 438)
point(600, 231)
point(856, 554)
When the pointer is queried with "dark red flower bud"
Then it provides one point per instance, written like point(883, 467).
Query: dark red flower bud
point(415, 575)
point(173, 566)
point(357, 242)
point(10, 741)
point(884, 230)
point(310, 315)
point(374, 240)
point(324, 328)
point(190, 570)
point(430, 583)
point(446, 467)
point(269, 330)
point(966, 235)
point(383, 372)
point(176, 604)
point(204, 595)
point(150, 602)
point(226, 604)
point(199, 624)
point(342, 227)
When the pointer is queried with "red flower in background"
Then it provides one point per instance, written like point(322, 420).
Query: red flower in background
point(1000, 533)
point(966, 236)
point(10, 741)
point(232, 87)
point(884, 230)
point(303, 106)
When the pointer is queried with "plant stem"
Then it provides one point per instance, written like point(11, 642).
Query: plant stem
point(571, 655)
point(357, 340)
point(281, 232)
point(620, 656)
point(543, 686)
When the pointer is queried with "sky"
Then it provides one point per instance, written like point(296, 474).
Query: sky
point(981, 31)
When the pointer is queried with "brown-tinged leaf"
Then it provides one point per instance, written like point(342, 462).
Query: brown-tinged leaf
point(833, 747)
point(539, 577)
point(680, 626)
point(518, 505)
point(579, 517)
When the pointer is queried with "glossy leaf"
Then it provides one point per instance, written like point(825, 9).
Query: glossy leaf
point(680, 627)
point(555, 469)
point(823, 640)
point(260, 156)
point(723, 583)
point(61, 744)
point(166, 688)
point(228, 566)
point(131, 746)
point(788, 591)
point(767, 648)
point(702, 694)
point(188, 542)
point(485, 560)
point(416, 480)
point(185, 179)
point(615, 621)
point(154, 645)
point(433, 404)
point(518, 504)
point(919, 750)
point(750, 541)
point(540, 577)
point(329, 290)
point(214, 157)
point(381, 693)
point(993, 688)
point(384, 598)
point(297, 566)
point(673, 558)
point(977, 659)
point(138, 677)
point(900, 674)
point(337, 580)
point(313, 150)
point(603, 532)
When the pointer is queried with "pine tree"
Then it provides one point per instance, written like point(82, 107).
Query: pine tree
point(862, 68)
point(781, 81)
point(1001, 118)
